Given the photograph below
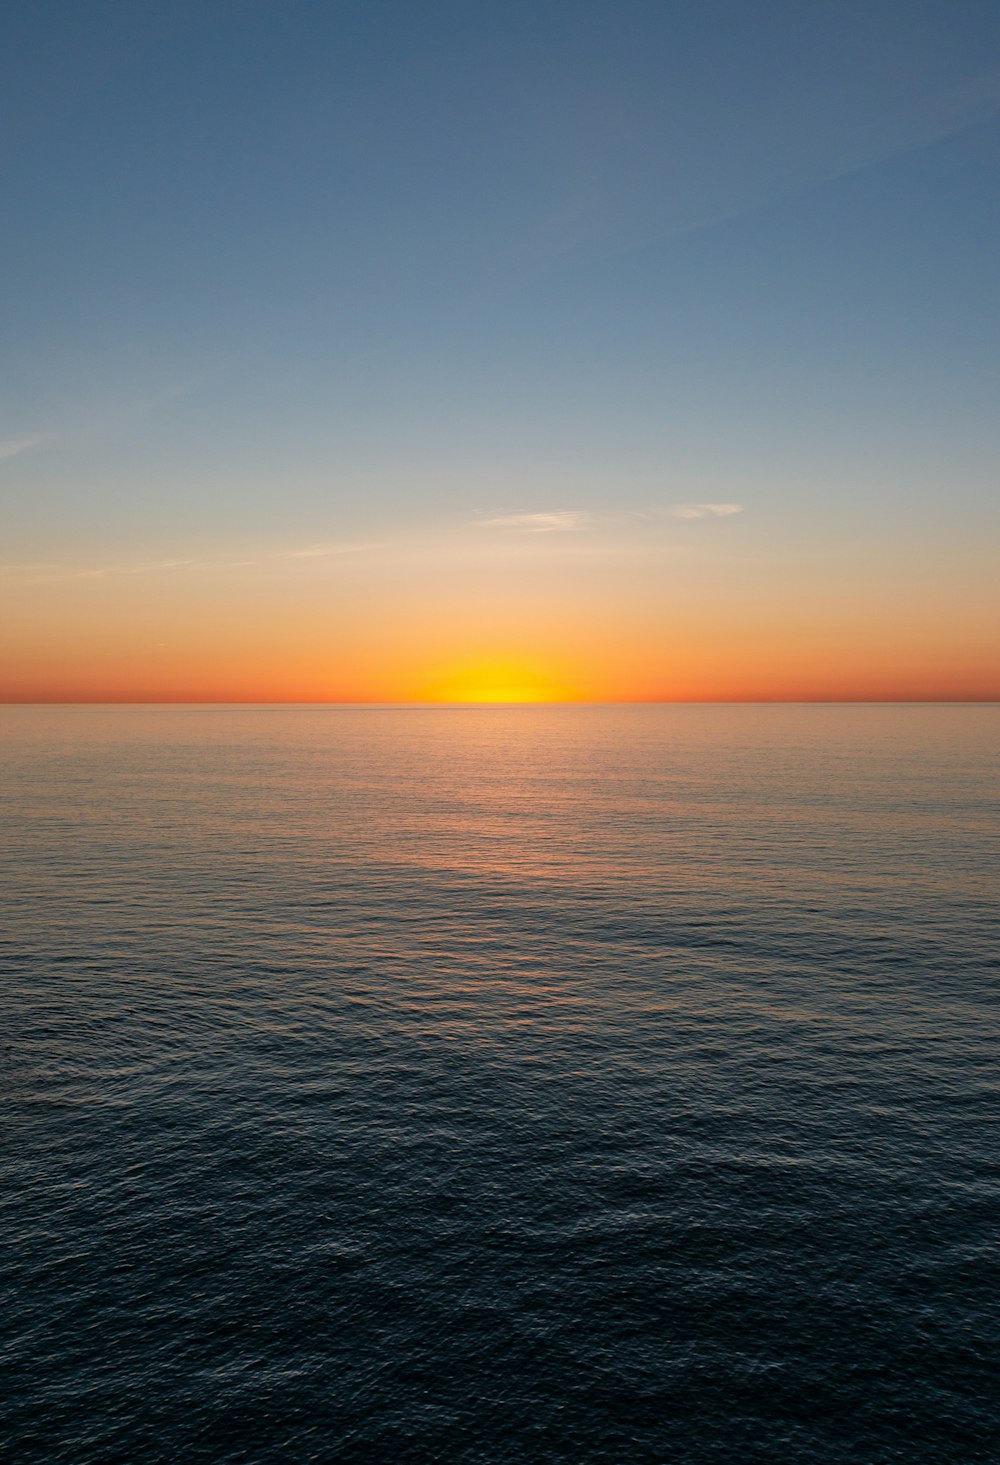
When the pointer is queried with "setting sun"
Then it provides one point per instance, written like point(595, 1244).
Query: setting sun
point(500, 680)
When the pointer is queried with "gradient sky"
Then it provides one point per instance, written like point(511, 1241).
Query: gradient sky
point(389, 351)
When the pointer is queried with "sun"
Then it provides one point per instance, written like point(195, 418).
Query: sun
point(499, 681)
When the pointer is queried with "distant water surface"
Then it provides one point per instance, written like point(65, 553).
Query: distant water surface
point(479, 1086)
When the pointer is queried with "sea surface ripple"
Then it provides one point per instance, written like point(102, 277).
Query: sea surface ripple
point(490, 1086)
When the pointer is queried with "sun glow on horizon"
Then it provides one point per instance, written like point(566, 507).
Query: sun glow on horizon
point(498, 681)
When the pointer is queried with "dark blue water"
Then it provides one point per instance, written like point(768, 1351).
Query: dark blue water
point(529, 1085)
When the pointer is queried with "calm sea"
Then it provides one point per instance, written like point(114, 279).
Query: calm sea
point(488, 1086)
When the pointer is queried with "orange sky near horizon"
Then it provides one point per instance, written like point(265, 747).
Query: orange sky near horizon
point(571, 617)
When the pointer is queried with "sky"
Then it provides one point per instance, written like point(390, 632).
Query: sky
point(385, 351)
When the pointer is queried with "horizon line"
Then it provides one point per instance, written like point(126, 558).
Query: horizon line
point(333, 703)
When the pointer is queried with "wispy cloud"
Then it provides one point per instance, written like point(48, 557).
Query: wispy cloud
point(705, 511)
point(558, 523)
point(44, 572)
point(147, 568)
point(10, 447)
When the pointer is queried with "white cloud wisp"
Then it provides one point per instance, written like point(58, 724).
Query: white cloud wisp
point(11, 447)
point(567, 521)
point(705, 511)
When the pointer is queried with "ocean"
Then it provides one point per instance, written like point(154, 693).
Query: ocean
point(500, 1085)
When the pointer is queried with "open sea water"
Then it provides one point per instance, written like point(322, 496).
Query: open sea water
point(494, 1086)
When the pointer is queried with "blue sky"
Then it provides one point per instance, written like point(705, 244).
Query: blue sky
point(283, 273)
